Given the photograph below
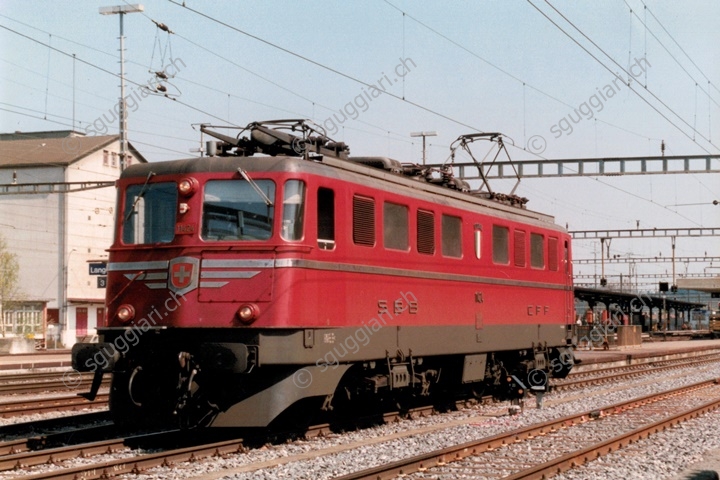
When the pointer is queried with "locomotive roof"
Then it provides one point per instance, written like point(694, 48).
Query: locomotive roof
point(341, 169)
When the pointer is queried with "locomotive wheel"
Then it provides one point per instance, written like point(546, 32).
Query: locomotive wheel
point(138, 403)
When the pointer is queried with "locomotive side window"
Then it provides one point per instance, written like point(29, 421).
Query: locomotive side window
point(501, 237)
point(364, 221)
point(293, 210)
point(149, 213)
point(234, 210)
point(519, 248)
point(395, 226)
point(425, 232)
point(553, 254)
point(537, 250)
point(326, 218)
point(451, 236)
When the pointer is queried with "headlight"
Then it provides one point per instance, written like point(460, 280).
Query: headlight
point(248, 313)
point(125, 313)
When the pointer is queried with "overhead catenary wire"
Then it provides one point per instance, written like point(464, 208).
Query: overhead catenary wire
point(363, 83)
point(619, 66)
point(521, 81)
point(647, 29)
point(325, 67)
point(399, 136)
point(678, 45)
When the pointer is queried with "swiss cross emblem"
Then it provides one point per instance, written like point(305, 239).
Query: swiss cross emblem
point(183, 274)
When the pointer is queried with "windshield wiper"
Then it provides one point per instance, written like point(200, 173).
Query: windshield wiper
point(244, 174)
point(140, 195)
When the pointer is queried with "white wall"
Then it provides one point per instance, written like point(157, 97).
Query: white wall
point(90, 217)
point(29, 224)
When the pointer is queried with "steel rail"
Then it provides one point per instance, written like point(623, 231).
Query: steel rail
point(48, 386)
point(42, 427)
point(25, 459)
point(140, 463)
point(73, 402)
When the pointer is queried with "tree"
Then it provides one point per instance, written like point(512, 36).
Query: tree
point(9, 278)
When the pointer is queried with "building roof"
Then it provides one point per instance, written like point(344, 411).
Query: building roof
point(711, 284)
point(43, 134)
point(56, 148)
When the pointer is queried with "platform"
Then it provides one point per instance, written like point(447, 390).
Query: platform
point(33, 361)
point(650, 351)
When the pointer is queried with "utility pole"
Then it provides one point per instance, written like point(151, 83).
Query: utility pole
point(122, 10)
point(423, 135)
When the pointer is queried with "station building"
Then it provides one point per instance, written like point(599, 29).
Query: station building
point(59, 227)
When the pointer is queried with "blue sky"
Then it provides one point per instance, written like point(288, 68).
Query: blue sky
point(487, 65)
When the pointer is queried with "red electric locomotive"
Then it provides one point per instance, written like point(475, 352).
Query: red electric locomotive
point(282, 275)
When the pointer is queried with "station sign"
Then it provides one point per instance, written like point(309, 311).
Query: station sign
point(101, 282)
point(99, 268)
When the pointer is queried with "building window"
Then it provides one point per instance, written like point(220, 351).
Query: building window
point(500, 239)
point(553, 254)
point(113, 161)
point(128, 160)
point(326, 218)
point(519, 248)
point(395, 226)
point(364, 221)
point(106, 158)
point(537, 250)
point(426, 232)
point(293, 208)
point(451, 236)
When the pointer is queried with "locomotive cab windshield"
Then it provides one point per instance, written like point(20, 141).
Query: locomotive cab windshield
point(149, 213)
point(234, 210)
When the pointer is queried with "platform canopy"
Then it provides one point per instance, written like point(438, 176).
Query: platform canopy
point(632, 302)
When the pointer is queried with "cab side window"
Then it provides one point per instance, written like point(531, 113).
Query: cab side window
point(326, 218)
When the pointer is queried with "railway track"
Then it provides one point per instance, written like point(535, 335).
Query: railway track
point(16, 456)
point(131, 462)
point(52, 404)
point(23, 431)
point(613, 374)
point(46, 381)
point(542, 450)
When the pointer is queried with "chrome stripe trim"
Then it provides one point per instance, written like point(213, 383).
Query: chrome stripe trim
point(237, 263)
point(326, 266)
point(374, 270)
point(212, 284)
point(147, 276)
point(119, 266)
point(156, 286)
point(226, 274)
